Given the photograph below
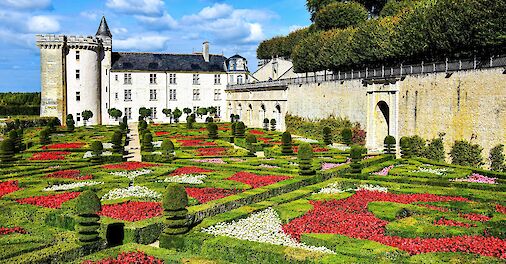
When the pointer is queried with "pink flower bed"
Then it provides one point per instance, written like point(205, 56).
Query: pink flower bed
point(189, 170)
point(8, 187)
point(213, 161)
point(50, 201)
point(328, 166)
point(255, 180)
point(384, 171)
point(69, 174)
point(500, 208)
point(477, 178)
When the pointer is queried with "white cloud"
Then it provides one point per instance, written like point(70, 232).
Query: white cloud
point(215, 11)
point(119, 31)
point(43, 24)
point(142, 43)
point(139, 7)
point(26, 4)
point(161, 23)
point(91, 15)
point(256, 33)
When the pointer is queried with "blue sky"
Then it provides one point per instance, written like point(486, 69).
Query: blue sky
point(173, 26)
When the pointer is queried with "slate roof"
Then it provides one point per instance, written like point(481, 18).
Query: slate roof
point(131, 61)
point(103, 29)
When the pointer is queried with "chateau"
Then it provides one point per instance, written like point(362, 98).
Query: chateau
point(83, 73)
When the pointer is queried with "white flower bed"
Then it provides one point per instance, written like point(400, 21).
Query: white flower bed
point(186, 178)
point(89, 154)
point(437, 171)
point(132, 191)
point(264, 226)
point(64, 187)
point(107, 145)
point(131, 175)
point(307, 140)
point(157, 144)
point(334, 188)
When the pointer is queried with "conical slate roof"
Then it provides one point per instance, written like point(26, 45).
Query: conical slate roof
point(103, 29)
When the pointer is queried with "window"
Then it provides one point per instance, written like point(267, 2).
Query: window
point(172, 95)
point(152, 95)
point(196, 94)
point(217, 79)
point(152, 78)
point(153, 112)
point(217, 94)
point(172, 78)
point(78, 117)
point(239, 79)
point(78, 96)
point(218, 111)
point(78, 55)
point(106, 71)
point(128, 113)
point(78, 74)
point(195, 108)
point(128, 78)
point(106, 89)
point(116, 96)
point(116, 77)
point(128, 95)
point(196, 79)
point(231, 79)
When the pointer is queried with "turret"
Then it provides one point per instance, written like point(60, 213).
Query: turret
point(104, 34)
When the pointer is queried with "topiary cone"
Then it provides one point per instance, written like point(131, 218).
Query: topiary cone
point(176, 221)
point(87, 220)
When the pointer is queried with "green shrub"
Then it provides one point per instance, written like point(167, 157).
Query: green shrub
point(19, 140)
point(86, 114)
point(13, 135)
point(240, 129)
point(466, 154)
point(52, 123)
point(273, 124)
point(117, 142)
point(266, 124)
point(340, 15)
point(250, 141)
point(417, 146)
point(405, 148)
point(177, 223)
point(71, 124)
point(96, 148)
point(234, 129)
point(209, 119)
point(87, 206)
point(168, 150)
point(143, 125)
point(147, 142)
point(286, 143)
point(435, 150)
point(390, 144)
point(356, 155)
point(346, 135)
point(190, 120)
point(305, 156)
point(212, 131)
point(327, 136)
point(7, 150)
point(496, 158)
point(44, 137)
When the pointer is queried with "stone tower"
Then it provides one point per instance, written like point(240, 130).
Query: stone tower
point(105, 36)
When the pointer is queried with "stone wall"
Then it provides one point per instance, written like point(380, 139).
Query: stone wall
point(53, 83)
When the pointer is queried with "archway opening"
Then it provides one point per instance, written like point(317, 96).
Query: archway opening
point(115, 234)
point(382, 121)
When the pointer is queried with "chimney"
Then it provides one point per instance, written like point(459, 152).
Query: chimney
point(205, 51)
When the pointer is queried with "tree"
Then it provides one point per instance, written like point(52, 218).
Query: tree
point(14, 136)
point(327, 136)
point(202, 111)
point(147, 142)
point(117, 142)
point(346, 135)
point(273, 124)
point(87, 206)
point(232, 118)
point(144, 113)
point(286, 143)
point(44, 137)
point(209, 119)
point(52, 123)
point(115, 113)
point(177, 223)
point(250, 144)
point(237, 118)
point(305, 156)
point(71, 124)
point(7, 150)
point(240, 130)
point(86, 114)
point(143, 125)
point(190, 119)
point(213, 110)
point(96, 149)
point(340, 15)
point(435, 150)
point(168, 150)
point(168, 113)
point(187, 111)
point(390, 145)
point(496, 158)
point(212, 131)
point(356, 155)
point(177, 114)
point(466, 154)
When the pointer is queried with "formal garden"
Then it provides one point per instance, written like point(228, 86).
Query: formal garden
point(224, 193)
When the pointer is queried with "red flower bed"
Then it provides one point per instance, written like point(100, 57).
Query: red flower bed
point(186, 137)
point(74, 145)
point(447, 222)
point(132, 211)
point(10, 230)
point(128, 258)
point(50, 201)
point(211, 151)
point(8, 187)
point(255, 180)
point(475, 217)
point(189, 170)
point(351, 218)
point(433, 207)
point(500, 208)
point(195, 142)
point(256, 132)
point(53, 155)
point(204, 195)
point(161, 133)
point(69, 174)
point(316, 149)
point(129, 165)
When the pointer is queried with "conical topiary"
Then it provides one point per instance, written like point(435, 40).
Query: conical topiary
point(273, 124)
point(405, 144)
point(347, 135)
point(250, 144)
point(327, 136)
point(87, 220)
point(240, 130)
point(7, 150)
point(286, 143)
point(305, 156)
point(177, 223)
point(44, 137)
point(266, 124)
point(389, 144)
point(356, 153)
point(147, 142)
point(212, 130)
point(96, 148)
point(168, 150)
point(117, 142)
